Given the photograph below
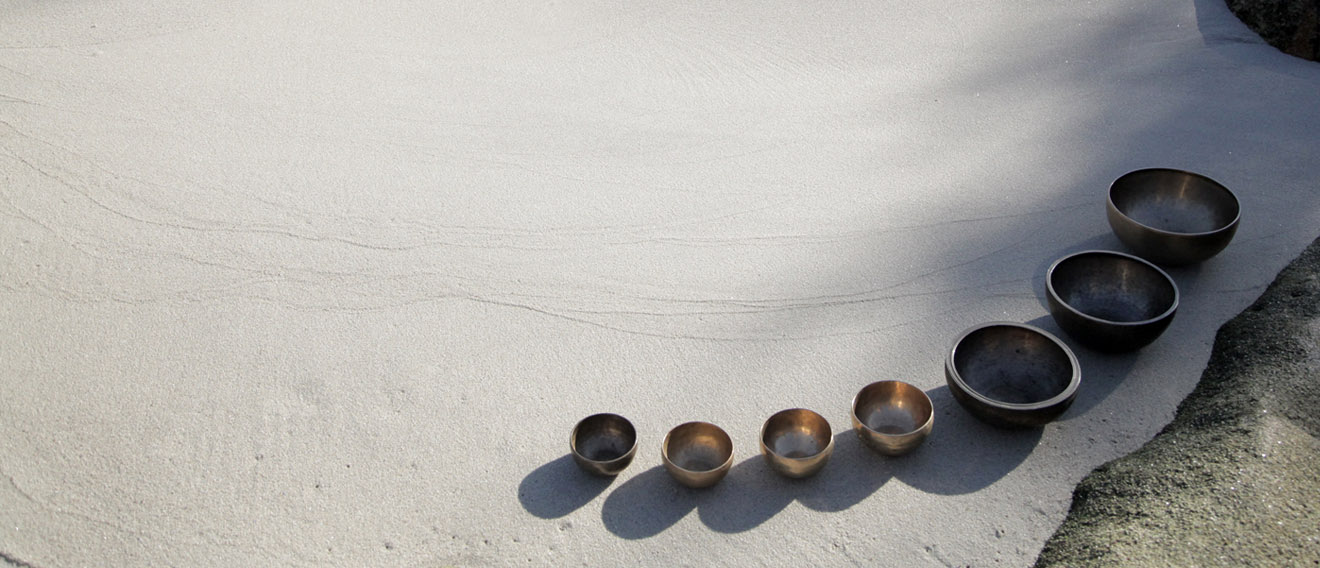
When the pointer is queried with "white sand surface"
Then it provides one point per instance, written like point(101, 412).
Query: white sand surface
point(329, 283)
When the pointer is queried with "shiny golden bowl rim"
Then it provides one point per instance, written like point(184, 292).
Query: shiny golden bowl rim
point(664, 448)
point(829, 431)
point(860, 424)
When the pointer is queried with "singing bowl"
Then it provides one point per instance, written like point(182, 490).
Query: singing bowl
point(697, 454)
point(892, 417)
point(797, 442)
point(1011, 374)
point(1172, 217)
point(1110, 301)
point(603, 444)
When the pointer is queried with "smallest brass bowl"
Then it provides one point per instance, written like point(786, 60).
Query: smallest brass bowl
point(603, 444)
point(796, 442)
point(697, 454)
point(892, 417)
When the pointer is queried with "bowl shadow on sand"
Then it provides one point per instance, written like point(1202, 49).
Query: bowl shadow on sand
point(559, 488)
point(962, 456)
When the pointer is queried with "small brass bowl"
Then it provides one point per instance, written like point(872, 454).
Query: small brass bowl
point(1172, 217)
point(1110, 301)
point(603, 444)
point(697, 454)
point(892, 417)
point(1012, 374)
point(796, 442)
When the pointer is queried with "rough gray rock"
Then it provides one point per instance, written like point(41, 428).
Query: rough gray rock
point(1293, 26)
point(1232, 481)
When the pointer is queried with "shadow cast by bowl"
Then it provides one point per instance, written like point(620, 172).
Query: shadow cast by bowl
point(855, 472)
point(963, 454)
point(647, 504)
point(750, 495)
point(559, 488)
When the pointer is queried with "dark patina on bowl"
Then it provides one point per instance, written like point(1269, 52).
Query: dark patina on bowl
point(1012, 374)
point(1110, 301)
point(603, 444)
point(1172, 217)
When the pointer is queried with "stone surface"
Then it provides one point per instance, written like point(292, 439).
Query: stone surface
point(1232, 480)
point(1293, 26)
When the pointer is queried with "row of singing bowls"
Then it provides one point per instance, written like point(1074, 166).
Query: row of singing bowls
point(892, 417)
point(1172, 217)
point(1012, 374)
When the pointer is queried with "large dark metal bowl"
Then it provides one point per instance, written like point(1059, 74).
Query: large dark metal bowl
point(1172, 217)
point(1110, 301)
point(1012, 374)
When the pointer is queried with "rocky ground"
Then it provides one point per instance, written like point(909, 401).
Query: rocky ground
point(1234, 480)
point(1293, 26)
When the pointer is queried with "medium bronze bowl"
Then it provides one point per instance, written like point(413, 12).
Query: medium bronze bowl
point(1012, 374)
point(603, 444)
point(796, 442)
point(1172, 217)
point(892, 417)
point(1110, 301)
point(697, 454)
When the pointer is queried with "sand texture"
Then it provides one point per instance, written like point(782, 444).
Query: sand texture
point(329, 283)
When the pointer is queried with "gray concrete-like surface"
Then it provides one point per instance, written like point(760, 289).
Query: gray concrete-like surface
point(327, 283)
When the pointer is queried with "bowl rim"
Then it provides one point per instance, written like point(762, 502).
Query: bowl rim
point(573, 438)
point(1074, 381)
point(852, 408)
point(828, 445)
point(664, 449)
point(1237, 203)
point(1053, 294)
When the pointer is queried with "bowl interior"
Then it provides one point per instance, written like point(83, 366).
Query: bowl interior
point(1013, 365)
point(604, 437)
point(892, 407)
point(1113, 287)
point(1174, 201)
point(797, 433)
point(698, 446)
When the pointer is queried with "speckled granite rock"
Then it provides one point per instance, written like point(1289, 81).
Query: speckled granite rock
point(1293, 26)
point(1232, 480)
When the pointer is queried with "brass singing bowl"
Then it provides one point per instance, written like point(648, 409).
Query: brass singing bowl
point(1012, 374)
point(1110, 301)
point(892, 417)
point(603, 444)
point(1172, 217)
point(797, 442)
point(697, 454)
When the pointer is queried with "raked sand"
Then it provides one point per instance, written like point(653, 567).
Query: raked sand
point(329, 283)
